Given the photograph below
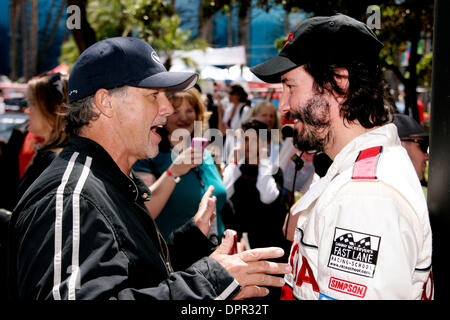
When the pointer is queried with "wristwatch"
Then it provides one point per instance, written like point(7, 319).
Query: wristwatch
point(174, 177)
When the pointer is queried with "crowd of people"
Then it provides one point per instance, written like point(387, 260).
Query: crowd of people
point(111, 198)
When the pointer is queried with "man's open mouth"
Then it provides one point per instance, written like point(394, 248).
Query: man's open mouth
point(159, 123)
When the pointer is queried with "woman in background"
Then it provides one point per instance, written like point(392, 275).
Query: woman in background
point(254, 188)
point(232, 115)
point(178, 177)
point(47, 103)
point(266, 112)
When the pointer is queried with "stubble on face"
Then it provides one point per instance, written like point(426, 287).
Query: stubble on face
point(314, 116)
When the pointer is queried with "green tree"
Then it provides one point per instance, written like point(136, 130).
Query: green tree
point(403, 23)
point(407, 24)
point(153, 21)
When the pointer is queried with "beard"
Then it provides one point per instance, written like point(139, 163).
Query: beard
point(315, 118)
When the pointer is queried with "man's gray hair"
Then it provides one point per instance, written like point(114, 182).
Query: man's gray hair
point(81, 113)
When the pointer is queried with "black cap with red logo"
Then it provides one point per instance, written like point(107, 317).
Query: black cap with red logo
point(328, 40)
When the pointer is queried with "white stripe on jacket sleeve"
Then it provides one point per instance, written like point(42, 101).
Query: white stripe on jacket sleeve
point(58, 227)
point(76, 229)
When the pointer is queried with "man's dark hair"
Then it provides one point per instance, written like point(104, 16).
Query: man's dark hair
point(367, 98)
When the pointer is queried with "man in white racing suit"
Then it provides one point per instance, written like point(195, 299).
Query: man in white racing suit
point(363, 230)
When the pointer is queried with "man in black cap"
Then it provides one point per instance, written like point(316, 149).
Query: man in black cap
point(82, 230)
point(363, 230)
point(415, 140)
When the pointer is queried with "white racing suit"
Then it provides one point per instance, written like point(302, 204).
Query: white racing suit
point(363, 230)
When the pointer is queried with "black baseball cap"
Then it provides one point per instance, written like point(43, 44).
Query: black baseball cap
point(408, 127)
point(120, 61)
point(335, 39)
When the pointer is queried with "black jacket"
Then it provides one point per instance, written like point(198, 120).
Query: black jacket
point(82, 231)
point(40, 162)
point(9, 167)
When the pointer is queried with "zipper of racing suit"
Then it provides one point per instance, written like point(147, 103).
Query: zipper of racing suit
point(164, 251)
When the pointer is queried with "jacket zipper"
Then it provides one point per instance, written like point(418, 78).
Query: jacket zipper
point(164, 254)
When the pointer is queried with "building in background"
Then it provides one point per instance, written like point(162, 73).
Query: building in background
point(50, 23)
point(262, 29)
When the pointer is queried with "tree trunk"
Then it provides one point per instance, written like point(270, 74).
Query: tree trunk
point(243, 28)
point(25, 40)
point(287, 26)
point(168, 62)
point(85, 36)
point(34, 37)
point(49, 39)
point(205, 29)
point(204, 25)
point(13, 52)
point(230, 25)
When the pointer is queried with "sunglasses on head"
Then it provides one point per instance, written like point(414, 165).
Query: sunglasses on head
point(423, 143)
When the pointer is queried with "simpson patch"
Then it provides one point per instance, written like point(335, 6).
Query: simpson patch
point(354, 252)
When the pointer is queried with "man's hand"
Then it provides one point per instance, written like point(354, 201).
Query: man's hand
point(250, 269)
point(206, 211)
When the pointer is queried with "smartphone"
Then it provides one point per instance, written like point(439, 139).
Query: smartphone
point(199, 142)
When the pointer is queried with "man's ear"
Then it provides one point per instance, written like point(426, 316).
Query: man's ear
point(102, 101)
point(341, 78)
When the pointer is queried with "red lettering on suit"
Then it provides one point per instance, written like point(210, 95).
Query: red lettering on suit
point(287, 293)
point(305, 274)
point(428, 284)
point(294, 252)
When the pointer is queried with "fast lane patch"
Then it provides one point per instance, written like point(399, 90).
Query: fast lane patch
point(354, 252)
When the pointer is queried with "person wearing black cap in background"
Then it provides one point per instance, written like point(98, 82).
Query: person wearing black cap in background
point(415, 140)
point(82, 231)
point(363, 230)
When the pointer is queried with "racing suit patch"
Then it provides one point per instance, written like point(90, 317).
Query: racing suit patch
point(366, 164)
point(347, 287)
point(354, 252)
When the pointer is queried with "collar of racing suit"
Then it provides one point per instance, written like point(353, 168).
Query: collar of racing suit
point(382, 136)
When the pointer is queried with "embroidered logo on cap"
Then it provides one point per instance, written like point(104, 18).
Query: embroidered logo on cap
point(289, 39)
point(156, 58)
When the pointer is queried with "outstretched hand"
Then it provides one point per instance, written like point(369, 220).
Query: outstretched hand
point(250, 267)
point(206, 211)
